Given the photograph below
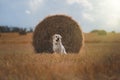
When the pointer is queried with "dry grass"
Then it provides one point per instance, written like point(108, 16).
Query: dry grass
point(97, 61)
point(109, 38)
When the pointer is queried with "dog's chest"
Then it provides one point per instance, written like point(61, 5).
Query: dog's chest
point(57, 48)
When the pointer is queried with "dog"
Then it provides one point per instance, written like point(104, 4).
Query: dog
point(57, 44)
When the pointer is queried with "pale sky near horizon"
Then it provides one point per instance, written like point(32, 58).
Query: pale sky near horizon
point(90, 14)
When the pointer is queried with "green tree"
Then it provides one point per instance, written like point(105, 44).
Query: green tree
point(99, 32)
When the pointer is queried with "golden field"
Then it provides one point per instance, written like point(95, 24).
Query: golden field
point(99, 59)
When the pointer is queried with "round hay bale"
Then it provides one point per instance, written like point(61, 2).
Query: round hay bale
point(72, 37)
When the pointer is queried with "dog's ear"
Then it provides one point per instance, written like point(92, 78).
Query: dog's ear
point(53, 36)
point(61, 37)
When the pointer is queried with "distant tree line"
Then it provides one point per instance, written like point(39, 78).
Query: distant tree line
point(7, 29)
point(101, 32)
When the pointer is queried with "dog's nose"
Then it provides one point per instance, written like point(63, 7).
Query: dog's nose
point(57, 39)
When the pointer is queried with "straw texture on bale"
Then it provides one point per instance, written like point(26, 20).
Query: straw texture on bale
point(72, 37)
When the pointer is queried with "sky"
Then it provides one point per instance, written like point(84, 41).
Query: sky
point(90, 14)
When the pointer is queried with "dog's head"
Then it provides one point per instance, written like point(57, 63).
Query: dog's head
point(56, 38)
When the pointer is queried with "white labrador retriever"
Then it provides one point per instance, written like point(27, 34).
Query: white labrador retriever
point(57, 44)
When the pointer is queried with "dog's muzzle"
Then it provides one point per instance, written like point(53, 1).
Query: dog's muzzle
point(57, 39)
